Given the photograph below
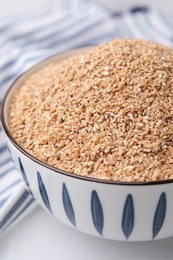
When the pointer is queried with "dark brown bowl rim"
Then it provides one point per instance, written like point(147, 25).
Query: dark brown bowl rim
point(63, 172)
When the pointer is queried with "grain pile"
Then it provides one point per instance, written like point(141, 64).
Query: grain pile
point(106, 114)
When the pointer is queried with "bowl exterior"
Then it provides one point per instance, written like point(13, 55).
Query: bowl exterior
point(112, 211)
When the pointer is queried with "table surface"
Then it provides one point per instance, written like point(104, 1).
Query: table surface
point(9, 6)
point(40, 236)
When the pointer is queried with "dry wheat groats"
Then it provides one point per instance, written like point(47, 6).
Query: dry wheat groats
point(106, 114)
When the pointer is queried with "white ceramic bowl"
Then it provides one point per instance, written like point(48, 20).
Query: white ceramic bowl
point(112, 210)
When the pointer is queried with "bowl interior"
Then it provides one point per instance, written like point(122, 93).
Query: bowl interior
point(5, 120)
point(21, 79)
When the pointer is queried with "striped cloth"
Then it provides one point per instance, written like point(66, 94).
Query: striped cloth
point(26, 39)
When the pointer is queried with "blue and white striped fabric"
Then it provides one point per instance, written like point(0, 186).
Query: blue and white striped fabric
point(26, 39)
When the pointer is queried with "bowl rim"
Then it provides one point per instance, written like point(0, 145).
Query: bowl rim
point(33, 158)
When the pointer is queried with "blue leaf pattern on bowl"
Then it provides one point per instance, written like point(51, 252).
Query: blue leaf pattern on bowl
point(128, 216)
point(43, 192)
point(24, 175)
point(68, 207)
point(97, 212)
point(159, 215)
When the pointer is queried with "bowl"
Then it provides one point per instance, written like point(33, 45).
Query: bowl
point(125, 211)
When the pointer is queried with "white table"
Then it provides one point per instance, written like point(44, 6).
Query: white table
point(8, 6)
point(39, 236)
